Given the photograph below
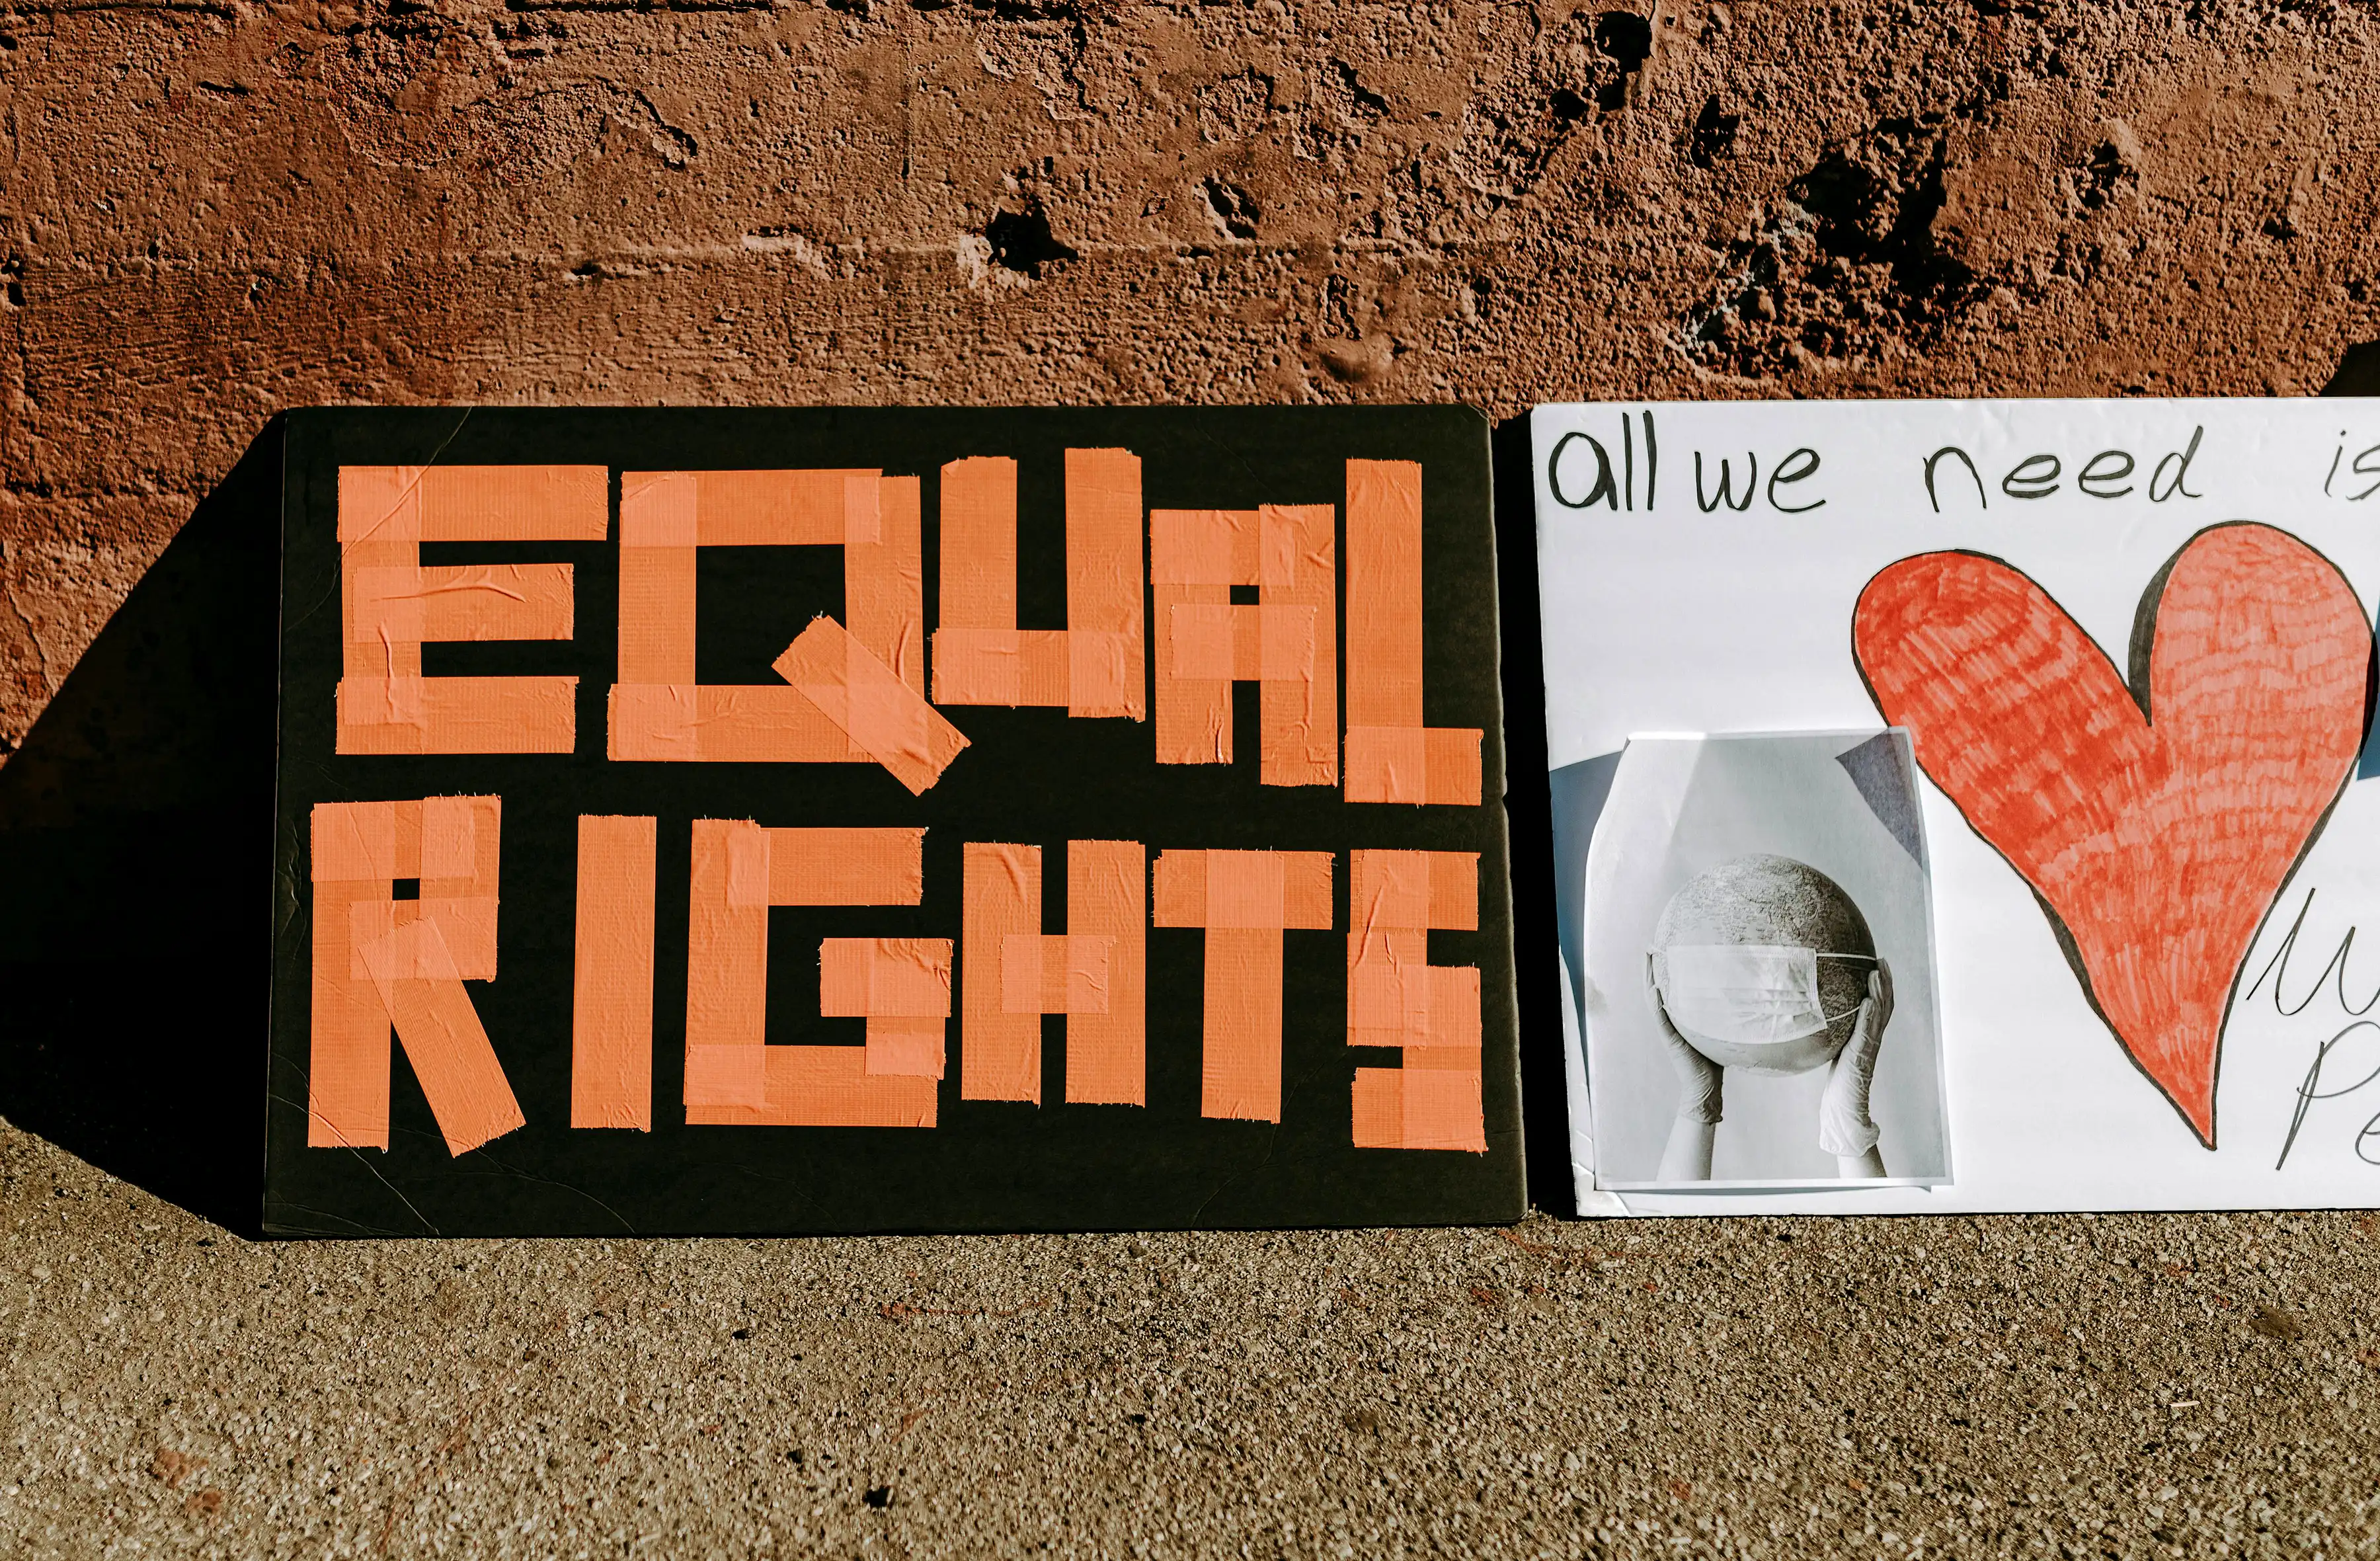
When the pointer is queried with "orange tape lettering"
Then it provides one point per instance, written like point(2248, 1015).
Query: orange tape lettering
point(1094, 666)
point(658, 710)
point(1096, 974)
point(380, 963)
point(869, 705)
point(611, 995)
point(1396, 997)
point(1001, 1059)
point(1245, 901)
point(392, 604)
point(1286, 641)
point(733, 1077)
point(1391, 755)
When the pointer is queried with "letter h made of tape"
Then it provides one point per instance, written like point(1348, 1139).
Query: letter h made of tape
point(1095, 973)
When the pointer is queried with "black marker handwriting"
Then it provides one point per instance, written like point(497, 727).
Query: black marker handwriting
point(2277, 966)
point(2308, 1094)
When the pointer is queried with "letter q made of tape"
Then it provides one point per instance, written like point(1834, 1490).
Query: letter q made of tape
point(660, 712)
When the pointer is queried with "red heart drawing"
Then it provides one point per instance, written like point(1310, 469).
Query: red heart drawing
point(2158, 823)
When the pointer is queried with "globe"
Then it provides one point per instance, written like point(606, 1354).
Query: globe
point(1778, 901)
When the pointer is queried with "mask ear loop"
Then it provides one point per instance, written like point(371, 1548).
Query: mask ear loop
point(1872, 959)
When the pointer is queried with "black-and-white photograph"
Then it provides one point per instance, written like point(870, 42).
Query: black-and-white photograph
point(1759, 992)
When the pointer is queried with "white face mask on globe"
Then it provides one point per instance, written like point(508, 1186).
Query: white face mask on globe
point(1747, 993)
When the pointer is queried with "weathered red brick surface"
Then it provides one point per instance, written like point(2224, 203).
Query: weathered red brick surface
point(214, 210)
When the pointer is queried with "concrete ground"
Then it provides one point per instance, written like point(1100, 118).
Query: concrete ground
point(213, 209)
point(2149, 1385)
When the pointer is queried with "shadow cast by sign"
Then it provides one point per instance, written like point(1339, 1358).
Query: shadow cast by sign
point(135, 837)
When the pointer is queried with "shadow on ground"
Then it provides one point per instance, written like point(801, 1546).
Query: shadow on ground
point(136, 830)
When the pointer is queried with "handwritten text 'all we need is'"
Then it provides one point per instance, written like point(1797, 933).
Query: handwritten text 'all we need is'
point(1619, 469)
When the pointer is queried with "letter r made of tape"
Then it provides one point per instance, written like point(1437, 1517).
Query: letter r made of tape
point(854, 692)
point(391, 603)
point(1396, 997)
point(1095, 973)
point(1286, 640)
point(382, 963)
point(1391, 755)
point(1095, 666)
point(734, 1077)
point(1245, 901)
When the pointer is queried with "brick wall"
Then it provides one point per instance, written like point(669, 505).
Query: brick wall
point(212, 210)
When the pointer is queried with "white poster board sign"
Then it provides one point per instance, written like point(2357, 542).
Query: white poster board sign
point(2129, 643)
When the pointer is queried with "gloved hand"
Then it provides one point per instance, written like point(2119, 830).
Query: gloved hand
point(1698, 1076)
point(1845, 1129)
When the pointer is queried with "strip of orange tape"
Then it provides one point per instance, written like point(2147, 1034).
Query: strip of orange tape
point(1002, 899)
point(871, 705)
point(611, 993)
point(1107, 898)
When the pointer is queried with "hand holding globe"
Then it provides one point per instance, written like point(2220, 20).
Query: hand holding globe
point(1764, 963)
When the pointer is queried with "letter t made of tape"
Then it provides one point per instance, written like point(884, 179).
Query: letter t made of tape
point(1096, 974)
point(380, 961)
point(1245, 901)
point(1396, 997)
